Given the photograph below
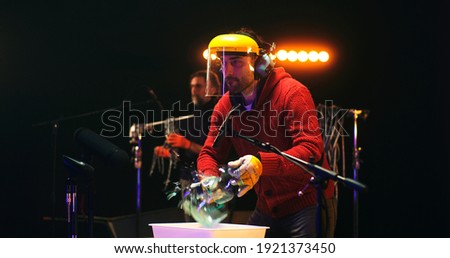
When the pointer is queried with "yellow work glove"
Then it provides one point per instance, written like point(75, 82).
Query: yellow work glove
point(248, 169)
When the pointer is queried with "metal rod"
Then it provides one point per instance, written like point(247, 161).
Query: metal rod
point(355, 173)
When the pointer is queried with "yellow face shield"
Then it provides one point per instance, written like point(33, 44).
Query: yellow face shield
point(220, 49)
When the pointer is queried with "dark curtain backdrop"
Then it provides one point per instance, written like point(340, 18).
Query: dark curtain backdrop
point(68, 61)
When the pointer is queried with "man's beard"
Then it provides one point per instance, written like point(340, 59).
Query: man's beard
point(237, 85)
point(233, 84)
point(198, 101)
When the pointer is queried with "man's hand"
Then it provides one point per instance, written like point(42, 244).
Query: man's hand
point(162, 152)
point(178, 141)
point(248, 169)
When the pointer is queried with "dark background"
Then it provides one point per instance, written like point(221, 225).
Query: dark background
point(60, 61)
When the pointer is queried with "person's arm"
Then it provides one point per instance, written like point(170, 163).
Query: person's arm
point(179, 141)
point(302, 126)
point(210, 158)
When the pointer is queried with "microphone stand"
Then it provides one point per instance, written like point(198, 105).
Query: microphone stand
point(84, 173)
point(72, 207)
point(318, 173)
point(136, 137)
point(356, 164)
point(56, 124)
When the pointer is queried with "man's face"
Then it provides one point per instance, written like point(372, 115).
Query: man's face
point(238, 72)
point(198, 91)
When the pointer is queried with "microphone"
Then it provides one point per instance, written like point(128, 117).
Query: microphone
point(223, 126)
point(78, 168)
point(97, 145)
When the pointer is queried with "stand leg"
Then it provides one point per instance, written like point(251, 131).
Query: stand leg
point(90, 211)
point(355, 176)
point(355, 214)
point(319, 211)
point(138, 202)
point(53, 194)
point(71, 201)
point(136, 149)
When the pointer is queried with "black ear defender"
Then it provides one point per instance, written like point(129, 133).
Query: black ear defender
point(263, 63)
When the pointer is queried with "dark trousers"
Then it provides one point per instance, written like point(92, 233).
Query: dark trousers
point(299, 224)
point(329, 217)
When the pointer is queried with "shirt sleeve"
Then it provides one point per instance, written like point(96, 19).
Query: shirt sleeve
point(211, 158)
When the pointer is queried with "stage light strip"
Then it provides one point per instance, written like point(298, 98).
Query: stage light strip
point(301, 56)
point(292, 56)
